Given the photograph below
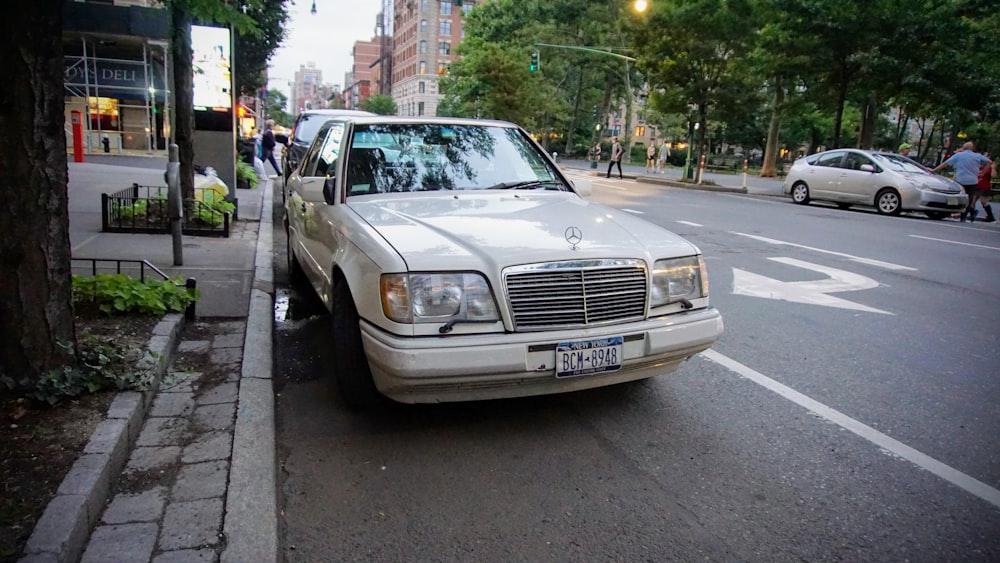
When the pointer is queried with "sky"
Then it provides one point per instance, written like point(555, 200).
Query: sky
point(325, 38)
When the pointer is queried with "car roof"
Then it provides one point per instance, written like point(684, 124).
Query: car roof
point(334, 112)
point(390, 119)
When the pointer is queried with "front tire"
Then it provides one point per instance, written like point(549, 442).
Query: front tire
point(887, 202)
point(350, 367)
point(800, 193)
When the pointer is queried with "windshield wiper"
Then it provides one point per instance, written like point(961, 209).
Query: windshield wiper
point(527, 185)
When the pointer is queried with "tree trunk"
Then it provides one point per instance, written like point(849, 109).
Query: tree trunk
point(183, 98)
point(768, 168)
point(575, 119)
point(36, 299)
point(869, 117)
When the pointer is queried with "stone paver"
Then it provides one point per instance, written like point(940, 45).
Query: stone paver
point(146, 506)
point(125, 543)
point(215, 417)
point(222, 393)
point(209, 446)
point(193, 524)
point(201, 480)
point(170, 498)
point(146, 458)
point(233, 340)
point(172, 404)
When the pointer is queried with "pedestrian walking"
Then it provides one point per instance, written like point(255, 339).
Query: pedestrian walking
point(651, 158)
point(904, 150)
point(267, 144)
point(664, 155)
point(967, 163)
point(616, 157)
point(983, 186)
point(597, 151)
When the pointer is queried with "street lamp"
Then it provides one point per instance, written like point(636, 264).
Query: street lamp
point(640, 6)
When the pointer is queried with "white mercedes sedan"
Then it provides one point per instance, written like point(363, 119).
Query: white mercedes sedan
point(458, 263)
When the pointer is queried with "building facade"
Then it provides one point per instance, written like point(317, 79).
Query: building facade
point(306, 88)
point(118, 74)
point(425, 34)
point(358, 81)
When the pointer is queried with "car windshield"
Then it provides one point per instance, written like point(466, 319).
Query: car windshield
point(408, 157)
point(307, 126)
point(898, 163)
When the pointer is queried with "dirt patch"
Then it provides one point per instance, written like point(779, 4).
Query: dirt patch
point(39, 444)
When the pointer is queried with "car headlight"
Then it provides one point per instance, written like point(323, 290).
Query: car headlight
point(437, 297)
point(678, 278)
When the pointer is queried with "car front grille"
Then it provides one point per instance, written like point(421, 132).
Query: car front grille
point(557, 295)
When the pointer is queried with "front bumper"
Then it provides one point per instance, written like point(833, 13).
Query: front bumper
point(927, 200)
point(494, 366)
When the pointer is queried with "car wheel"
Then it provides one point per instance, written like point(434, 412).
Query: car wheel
point(936, 215)
point(350, 368)
point(887, 202)
point(844, 205)
point(800, 193)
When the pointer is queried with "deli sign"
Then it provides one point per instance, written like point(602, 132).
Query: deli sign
point(111, 74)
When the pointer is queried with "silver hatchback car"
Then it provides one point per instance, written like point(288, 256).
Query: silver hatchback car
point(890, 182)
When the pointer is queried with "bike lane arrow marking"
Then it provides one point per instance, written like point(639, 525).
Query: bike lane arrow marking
point(807, 292)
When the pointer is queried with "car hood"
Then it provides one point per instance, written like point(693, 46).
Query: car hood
point(933, 182)
point(470, 230)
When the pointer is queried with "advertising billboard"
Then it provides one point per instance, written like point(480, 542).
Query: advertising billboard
point(212, 65)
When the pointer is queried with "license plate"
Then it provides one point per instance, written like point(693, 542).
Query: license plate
point(585, 357)
point(952, 201)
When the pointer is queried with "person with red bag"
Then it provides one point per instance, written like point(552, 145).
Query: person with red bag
point(983, 189)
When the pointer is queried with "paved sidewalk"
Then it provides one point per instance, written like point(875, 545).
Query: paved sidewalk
point(185, 471)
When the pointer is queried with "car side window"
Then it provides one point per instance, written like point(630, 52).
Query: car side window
point(853, 161)
point(309, 160)
point(831, 160)
point(328, 150)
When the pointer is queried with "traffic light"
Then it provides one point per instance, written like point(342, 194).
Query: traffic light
point(535, 63)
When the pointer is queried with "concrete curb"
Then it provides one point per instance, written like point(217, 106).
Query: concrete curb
point(251, 520)
point(673, 183)
point(62, 532)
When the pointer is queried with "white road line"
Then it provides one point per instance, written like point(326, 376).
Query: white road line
point(690, 223)
point(893, 446)
point(631, 211)
point(956, 242)
point(869, 261)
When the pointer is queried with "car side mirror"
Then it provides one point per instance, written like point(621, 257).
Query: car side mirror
point(281, 138)
point(867, 168)
point(328, 186)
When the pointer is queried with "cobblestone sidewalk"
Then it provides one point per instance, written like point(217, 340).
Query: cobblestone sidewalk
point(168, 504)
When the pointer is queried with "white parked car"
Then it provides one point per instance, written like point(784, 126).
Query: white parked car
point(890, 182)
point(458, 263)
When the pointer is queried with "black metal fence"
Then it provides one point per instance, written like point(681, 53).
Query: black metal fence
point(132, 267)
point(143, 209)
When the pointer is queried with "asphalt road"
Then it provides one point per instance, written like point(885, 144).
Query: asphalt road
point(849, 413)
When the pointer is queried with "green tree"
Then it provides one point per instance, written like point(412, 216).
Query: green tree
point(275, 106)
point(690, 52)
point(381, 104)
point(251, 52)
